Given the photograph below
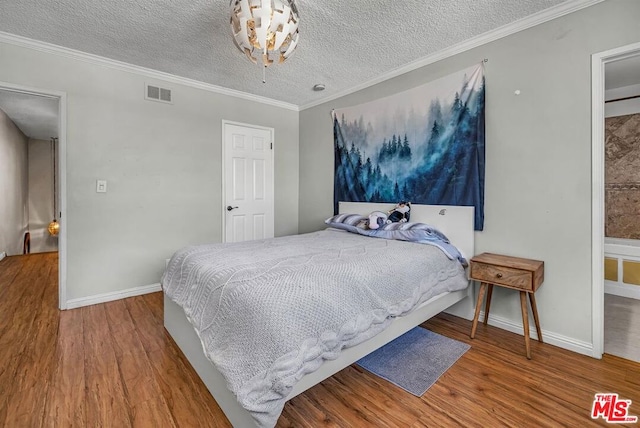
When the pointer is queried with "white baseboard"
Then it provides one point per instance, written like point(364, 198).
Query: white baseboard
point(114, 295)
point(622, 290)
point(3, 254)
point(551, 338)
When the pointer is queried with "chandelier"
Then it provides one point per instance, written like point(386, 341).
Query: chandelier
point(265, 30)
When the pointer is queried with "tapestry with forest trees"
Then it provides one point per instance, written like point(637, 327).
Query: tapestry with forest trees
point(424, 145)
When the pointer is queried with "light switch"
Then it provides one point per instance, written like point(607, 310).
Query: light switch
point(101, 186)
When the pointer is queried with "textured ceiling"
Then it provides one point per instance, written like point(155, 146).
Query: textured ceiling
point(342, 43)
point(36, 116)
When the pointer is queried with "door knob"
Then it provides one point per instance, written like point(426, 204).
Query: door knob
point(229, 208)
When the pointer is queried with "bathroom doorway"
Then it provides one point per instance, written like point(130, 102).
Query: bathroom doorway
point(616, 192)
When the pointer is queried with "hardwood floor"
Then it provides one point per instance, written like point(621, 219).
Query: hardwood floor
point(113, 365)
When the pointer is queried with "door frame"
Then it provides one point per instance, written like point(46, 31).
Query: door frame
point(598, 61)
point(61, 177)
point(224, 170)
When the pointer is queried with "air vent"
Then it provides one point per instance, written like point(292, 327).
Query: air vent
point(155, 93)
point(165, 95)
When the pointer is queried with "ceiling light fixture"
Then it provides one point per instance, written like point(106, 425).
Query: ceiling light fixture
point(265, 30)
point(318, 87)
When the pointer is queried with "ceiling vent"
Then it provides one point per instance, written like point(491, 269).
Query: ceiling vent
point(155, 93)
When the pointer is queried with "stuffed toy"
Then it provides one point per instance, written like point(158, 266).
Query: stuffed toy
point(377, 219)
point(401, 213)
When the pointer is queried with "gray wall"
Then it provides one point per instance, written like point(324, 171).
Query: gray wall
point(14, 213)
point(41, 196)
point(538, 154)
point(162, 163)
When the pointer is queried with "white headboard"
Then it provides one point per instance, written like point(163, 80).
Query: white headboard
point(454, 221)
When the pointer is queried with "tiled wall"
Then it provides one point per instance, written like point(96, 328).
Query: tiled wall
point(630, 270)
point(622, 176)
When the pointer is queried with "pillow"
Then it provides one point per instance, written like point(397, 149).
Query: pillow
point(414, 232)
point(346, 221)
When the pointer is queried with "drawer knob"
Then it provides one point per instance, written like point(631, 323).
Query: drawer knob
point(498, 275)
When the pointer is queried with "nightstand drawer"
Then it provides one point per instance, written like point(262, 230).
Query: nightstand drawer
point(502, 275)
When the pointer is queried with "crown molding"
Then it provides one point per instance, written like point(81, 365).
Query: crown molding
point(490, 36)
point(49, 48)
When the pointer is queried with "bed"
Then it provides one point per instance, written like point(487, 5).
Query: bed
point(455, 222)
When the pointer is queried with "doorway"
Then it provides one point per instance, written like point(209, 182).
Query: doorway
point(598, 63)
point(30, 101)
point(248, 182)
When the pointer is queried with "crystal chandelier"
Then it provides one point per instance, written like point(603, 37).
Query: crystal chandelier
point(265, 30)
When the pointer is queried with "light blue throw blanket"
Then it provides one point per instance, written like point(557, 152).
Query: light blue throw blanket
point(413, 232)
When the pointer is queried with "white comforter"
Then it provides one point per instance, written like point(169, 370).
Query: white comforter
point(270, 311)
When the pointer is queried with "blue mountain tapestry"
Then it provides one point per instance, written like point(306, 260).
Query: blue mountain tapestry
point(424, 145)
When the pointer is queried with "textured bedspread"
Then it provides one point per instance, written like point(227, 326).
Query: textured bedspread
point(270, 311)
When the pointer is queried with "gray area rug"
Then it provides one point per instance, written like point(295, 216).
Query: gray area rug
point(415, 360)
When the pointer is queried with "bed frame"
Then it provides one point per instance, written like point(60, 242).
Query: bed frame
point(455, 222)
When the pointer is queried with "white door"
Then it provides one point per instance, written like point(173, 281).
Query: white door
point(248, 182)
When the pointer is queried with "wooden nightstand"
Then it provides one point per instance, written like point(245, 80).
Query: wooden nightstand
point(524, 275)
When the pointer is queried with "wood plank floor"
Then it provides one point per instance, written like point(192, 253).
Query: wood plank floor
point(113, 365)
